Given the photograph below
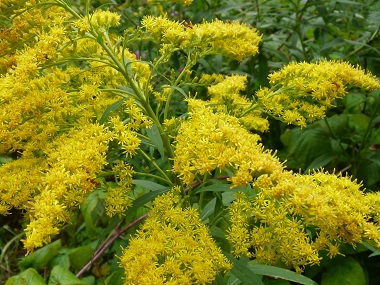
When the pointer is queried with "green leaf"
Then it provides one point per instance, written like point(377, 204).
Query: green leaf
point(338, 124)
point(80, 256)
point(89, 280)
point(320, 161)
point(61, 276)
point(369, 169)
point(41, 257)
point(219, 280)
point(228, 198)
point(100, 39)
point(61, 259)
point(208, 209)
point(113, 107)
point(179, 89)
point(128, 64)
point(152, 186)
point(155, 137)
point(217, 232)
point(148, 197)
point(232, 279)
point(27, 277)
point(278, 272)
point(215, 188)
point(116, 278)
point(354, 102)
point(344, 270)
point(349, 2)
point(359, 123)
point(242, 272)
point(276, 282)
point(306, 145)
point(5, 159)
point(375, 252)
point(127, 90)
point(88, 209)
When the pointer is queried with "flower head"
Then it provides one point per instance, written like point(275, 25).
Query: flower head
point(277, 223)
point(103, 20)
point(209, 140)
point(303, 91)
point(172, 247)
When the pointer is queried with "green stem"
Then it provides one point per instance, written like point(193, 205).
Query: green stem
point(366, 137)
point(118, 92)
point(200, 202)
point(217, 217)
point(189, 64)
point(367, 133)
point(155, 177)
point(334, 136)
point(64, 5)
point(140, 96)
point(149, 159)
point(299, 14)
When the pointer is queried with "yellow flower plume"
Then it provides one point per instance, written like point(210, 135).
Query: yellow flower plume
point(173, 246)
point(209, 140)
point(275, 225)
point(303, 91)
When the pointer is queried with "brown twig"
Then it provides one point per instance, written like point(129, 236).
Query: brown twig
point(117, 233)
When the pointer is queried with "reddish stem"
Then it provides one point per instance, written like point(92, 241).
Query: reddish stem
point(116, 234)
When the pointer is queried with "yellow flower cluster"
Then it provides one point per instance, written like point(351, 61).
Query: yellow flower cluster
point(162, 30)
point(173, 246)
point(45, 115)
point(23, 27)
point(29, 121)
point(125, 130)
point(209, 140)
point(118, 199)
point(28, 61)
point(102, 20)
point(373, 200)
point(231, 39)
point(21, 181)
point(62, 180)
point(303, 91)
point(273, 226)
point(226, 95)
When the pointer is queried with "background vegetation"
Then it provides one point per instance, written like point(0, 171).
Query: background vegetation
point(347, 141)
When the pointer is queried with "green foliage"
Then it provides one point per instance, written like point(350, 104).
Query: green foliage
point(27, 277)
point(345, 141)
point(346, 271)
point(41, 257)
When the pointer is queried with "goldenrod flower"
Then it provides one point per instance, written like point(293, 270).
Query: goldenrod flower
point(172, 247)
point(231, 39)
point(74, 160)
point(211, 141)
point(21, 181)
point(226, 96)
point(118, 199)
point(302, 92)
point(165, 31)
point(273, 225)
point(102, 20)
